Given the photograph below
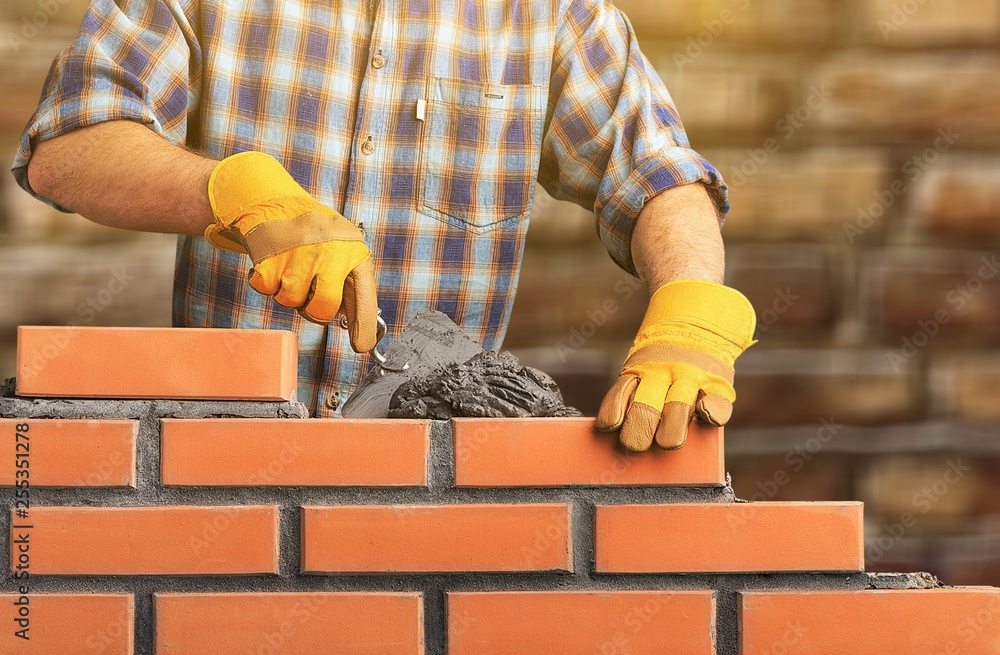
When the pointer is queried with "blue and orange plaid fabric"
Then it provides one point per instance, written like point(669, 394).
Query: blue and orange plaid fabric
point(426, 121)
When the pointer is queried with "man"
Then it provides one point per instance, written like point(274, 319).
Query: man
point(263, 124)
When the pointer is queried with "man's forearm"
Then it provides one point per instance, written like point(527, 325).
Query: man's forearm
point(124, 175)
point(677, 237)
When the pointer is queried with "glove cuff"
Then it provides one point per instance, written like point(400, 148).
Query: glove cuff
point(249, 182)
point(713, 308)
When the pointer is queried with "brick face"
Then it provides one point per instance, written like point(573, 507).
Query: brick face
point(301, 623)
point(441, 538)
point(805, 23)
point(156, 363)
point(779, 194)
point(824, 388)
point(69, 623)
point(268, 452)
point(881, 622)
point(72, 453)
point(794, 290)
point(636, 622)
point(915, 24)
point(964, 387)
point(151, 540)
point(697, 538)
point(545, 453)
point(934, 298)
point(959, 199)
point(909, 96)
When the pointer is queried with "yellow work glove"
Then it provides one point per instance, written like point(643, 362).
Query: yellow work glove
point(305, 255)
point(680, 364)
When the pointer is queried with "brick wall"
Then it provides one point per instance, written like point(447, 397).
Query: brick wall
point(147, 520)
point(861, 144)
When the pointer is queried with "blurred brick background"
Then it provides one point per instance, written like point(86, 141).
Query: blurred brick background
point(861, 141)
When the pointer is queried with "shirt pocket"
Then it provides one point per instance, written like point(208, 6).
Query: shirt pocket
point(480, 149)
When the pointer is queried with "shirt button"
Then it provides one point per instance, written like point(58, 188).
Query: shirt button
point(378, 62)
point(332, 401)
point(368, 147)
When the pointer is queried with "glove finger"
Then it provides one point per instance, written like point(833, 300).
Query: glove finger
point(360, 306)
point(295, 292)
point(265, 279)
point(319, 306)
point(639, 427)
point(615, 402)
point(714, 409)
point(678, 410)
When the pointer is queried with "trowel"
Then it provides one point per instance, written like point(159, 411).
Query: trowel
point(431, 340)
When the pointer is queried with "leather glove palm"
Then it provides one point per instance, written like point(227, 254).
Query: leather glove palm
point(680, 364)
point(305, 255)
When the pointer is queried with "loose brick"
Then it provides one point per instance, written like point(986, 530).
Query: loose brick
point(156, 363)
point(824, 388)
point(436, 538)
point(301, 623)
point(150, 540)
point(547, 622)
point(559, 452)
point(71, 453)
point(907, 24)
point(926, 297)
point(882, 622)
point(737, 538)
point(896, 98)
point(276, 452)
point(62, 624)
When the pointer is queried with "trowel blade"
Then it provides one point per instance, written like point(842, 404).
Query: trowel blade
point(429, 341)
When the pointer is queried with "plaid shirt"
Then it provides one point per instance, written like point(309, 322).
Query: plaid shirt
point(427, 121)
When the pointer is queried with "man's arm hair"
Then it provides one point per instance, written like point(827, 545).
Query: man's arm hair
point(122, 174)
point(677, 237)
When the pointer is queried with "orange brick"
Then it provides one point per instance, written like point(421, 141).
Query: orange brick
point(737, 538)
point(65, 624)
point(436, 538)
point(571, 622)
point(273, 452)
point(71, 453)
point(208, 364)
point(300, 623)
point(881, 622)
point(558, 452)
point(150, 540)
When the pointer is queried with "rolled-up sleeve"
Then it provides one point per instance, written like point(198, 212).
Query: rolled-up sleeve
point(613, 139)
point(136, 60)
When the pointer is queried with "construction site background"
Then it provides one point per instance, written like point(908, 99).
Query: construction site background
point(861, 142)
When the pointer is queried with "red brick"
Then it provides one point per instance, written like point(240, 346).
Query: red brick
point(72, 453)
point(276, 452)
point(823, 388)
point(436, 538)
point(559, 452)
point(150, 540)
point(964, 386)
point(794, 290)
point(926, 297)
point(65, 624)
point(876, 622)
point(156, 363)
point(958, 199)
point(905, 97)
point(923, 24)
point(736, 538)
point(310, 623)
point(571, 622)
